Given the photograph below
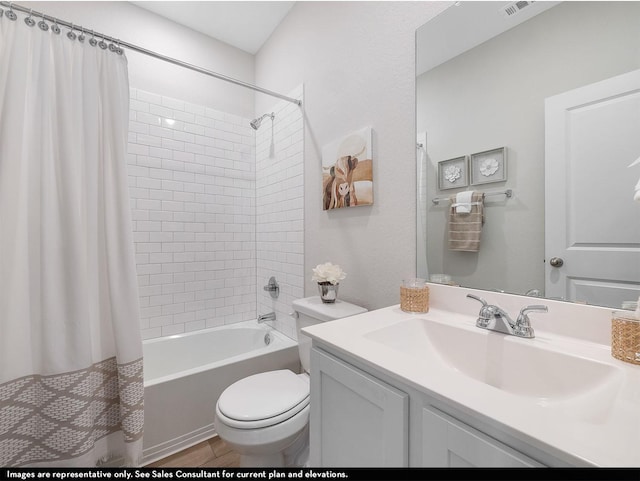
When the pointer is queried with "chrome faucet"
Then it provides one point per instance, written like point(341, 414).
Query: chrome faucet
point(494, 318)
point(267, 317)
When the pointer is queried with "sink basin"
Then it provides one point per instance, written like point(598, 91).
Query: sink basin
point(504, 362)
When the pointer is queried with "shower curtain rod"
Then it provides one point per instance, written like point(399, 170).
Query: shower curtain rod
point(136, 48)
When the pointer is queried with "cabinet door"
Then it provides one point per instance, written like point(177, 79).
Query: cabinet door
point(356, 420)
point(447, 442)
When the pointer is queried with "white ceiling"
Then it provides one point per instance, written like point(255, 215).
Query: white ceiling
point(243, 24)
point(247, 25)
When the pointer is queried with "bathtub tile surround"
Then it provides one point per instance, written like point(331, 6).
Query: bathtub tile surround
point(192, 186)
point(193, 181)
point(280, 211)
point(213, 218)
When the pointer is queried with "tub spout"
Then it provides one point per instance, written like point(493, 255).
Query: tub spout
point(267, 317)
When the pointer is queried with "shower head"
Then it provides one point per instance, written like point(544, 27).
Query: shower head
point(255, 123)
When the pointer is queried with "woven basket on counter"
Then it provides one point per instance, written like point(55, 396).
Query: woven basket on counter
point(625, 336)
point(414, 299)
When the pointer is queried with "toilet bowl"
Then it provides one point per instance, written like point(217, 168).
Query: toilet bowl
point(265, 417)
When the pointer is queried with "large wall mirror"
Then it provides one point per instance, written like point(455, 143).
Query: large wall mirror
point(540, 100)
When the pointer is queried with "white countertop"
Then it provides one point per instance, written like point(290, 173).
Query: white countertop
point(599, 427)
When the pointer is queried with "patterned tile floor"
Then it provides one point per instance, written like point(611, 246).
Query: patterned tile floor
point(212, 453)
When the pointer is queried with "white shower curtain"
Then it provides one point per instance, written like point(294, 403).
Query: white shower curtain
point(71, 386)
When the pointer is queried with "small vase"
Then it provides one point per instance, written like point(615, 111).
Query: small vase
point(328, 292)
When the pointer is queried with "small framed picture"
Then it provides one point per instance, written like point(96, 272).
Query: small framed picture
point(489, 166)
point(453, 173)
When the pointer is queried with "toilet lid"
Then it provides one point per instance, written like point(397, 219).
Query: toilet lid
point(264, 395)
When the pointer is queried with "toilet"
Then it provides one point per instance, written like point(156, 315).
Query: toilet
point(265, 417)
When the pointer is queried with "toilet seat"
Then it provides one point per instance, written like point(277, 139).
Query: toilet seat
point(263, 399)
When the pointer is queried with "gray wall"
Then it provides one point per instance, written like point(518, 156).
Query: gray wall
point(357, 63)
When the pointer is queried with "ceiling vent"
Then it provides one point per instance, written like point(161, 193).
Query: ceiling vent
point(514, 8)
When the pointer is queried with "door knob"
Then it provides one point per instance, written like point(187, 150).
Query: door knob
point(556, 262)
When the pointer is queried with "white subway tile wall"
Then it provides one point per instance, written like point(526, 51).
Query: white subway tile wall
point(280, 211)
point(192, 181)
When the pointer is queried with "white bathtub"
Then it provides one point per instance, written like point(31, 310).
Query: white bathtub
point(185, 374)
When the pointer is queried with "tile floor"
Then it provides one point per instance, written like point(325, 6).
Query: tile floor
point(212, 453)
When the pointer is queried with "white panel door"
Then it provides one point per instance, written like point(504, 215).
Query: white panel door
point(592, 224)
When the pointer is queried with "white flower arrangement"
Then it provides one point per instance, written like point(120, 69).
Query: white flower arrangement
point(328, 272)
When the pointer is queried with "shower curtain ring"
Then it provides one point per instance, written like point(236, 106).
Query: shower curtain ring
point(11, 15)
point(44, 26)
point(71, 34)
point(93, 42)
point(81, 37)
point(102, 44)
point(55, 28)
point(119, 50)
point(30, 21)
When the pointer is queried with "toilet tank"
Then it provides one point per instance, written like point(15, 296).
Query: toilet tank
point(310, 311)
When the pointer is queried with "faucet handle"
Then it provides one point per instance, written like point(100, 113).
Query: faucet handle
point(479, 299)
point(272, 287)
point(486, 311)
point(523, 324)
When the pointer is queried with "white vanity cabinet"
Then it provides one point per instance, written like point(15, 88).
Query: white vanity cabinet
point(356, 419)
point(447, 442)
point(368, 419)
